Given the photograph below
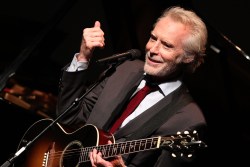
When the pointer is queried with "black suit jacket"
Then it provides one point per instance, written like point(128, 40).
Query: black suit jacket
point(103, 104)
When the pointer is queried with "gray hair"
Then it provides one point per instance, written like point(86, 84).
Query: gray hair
point(195, 44)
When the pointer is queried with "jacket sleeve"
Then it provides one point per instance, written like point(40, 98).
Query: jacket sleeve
point(72, 86)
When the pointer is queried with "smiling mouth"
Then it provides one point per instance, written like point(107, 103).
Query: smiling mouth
point(152, 61)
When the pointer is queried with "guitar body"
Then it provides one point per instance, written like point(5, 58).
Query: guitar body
point(53, 148)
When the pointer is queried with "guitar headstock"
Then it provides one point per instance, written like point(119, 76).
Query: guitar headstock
point(183, 144)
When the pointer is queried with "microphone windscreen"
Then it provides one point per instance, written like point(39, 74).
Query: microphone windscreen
point(135, 53)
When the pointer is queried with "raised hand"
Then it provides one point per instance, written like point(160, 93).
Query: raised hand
point(92, 37)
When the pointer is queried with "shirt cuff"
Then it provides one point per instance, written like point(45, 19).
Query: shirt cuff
point(77, 65)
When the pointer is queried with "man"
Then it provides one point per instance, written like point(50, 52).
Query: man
point(175, 49)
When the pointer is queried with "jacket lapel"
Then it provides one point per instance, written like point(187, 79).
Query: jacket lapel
point(134, 124)
point(112, 99)
point(145, 117)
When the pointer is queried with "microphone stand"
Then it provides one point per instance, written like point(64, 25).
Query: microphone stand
point(105, 74)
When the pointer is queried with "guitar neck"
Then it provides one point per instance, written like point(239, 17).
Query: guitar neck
point(111, 150)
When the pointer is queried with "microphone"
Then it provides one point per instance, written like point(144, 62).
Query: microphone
point(129, 55)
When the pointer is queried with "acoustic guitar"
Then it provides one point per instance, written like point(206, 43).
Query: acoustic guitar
point(57, 147)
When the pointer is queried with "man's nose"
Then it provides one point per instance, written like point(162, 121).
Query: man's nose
point(155, 48)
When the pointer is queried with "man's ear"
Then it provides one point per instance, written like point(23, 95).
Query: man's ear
point(188, 59)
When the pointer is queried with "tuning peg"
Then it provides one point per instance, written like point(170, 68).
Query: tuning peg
point(173, 155)
point(170, 147)
point(181, 154)
point(186, 132)
point(194, 132)
point(178, 133)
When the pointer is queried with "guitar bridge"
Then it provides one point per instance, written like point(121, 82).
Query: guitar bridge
point(47, 161)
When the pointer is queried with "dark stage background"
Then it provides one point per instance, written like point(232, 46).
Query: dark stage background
point(39, 37)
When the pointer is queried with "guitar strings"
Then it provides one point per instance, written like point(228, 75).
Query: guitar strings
point(108, 150)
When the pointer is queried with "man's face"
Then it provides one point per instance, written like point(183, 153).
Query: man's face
point(164, 47)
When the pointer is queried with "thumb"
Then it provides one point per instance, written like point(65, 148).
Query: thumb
point(97, 24)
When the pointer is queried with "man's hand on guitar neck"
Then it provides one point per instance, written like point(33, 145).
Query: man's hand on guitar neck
point(97, 160)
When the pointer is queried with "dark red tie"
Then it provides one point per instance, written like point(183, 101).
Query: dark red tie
point(134, 102)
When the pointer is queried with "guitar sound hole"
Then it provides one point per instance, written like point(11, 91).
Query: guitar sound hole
point(71, 154)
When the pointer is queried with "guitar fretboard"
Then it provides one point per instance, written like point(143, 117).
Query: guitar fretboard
point(111, 150)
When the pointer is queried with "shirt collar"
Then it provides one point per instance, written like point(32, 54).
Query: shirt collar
point(169, 87)
point(166, 87)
